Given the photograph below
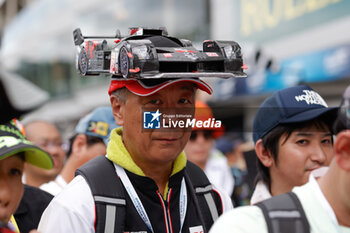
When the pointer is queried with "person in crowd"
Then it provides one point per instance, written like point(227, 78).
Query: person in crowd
point(151, 166)
point(15, 150)
point(201, 151)
point(293, 137)
point(155, 188)
point(46, 136)
point(233, 150)
point(90, 140)
point(325, 202)
point(13, 104)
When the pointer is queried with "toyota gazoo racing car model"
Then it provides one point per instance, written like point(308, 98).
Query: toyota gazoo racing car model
point(151, 53)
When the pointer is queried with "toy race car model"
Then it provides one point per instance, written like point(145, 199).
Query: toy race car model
point(150, 53)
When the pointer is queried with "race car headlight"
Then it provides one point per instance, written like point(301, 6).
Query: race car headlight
point(141, 51)
point(228, 51)
point(232, 52)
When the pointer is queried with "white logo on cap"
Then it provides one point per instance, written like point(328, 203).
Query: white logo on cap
point(311, 97)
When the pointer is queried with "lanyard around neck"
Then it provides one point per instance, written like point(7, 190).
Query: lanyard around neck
point(138, 204)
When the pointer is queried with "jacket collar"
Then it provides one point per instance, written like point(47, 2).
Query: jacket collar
point(118, 154)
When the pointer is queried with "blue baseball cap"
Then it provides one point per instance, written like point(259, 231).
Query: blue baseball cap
point(224, 145)
point(98, 123)
point(290, 105)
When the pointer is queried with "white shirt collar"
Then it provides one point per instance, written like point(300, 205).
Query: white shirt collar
point(261, 193)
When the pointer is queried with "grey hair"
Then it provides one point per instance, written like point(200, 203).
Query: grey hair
point(121, 94)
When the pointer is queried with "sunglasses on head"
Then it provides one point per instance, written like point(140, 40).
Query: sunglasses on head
point(207, 134)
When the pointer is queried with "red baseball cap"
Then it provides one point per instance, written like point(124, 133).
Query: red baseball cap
point(146, 87)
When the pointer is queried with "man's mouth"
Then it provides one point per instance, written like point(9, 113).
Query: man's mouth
point(166, 139)
point(312, 168)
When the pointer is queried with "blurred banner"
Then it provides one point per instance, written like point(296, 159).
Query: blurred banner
point(266, 20)
point(321, 66)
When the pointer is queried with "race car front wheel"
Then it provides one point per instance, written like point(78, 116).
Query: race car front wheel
point(124, 62)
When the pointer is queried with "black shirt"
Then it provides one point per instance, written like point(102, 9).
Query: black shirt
point(31, 207)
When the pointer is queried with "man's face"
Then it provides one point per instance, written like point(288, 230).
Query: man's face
point(304, 151)
point(198, 147)
point(85, 151)
point(11, 187)
point(155, 147)
point(47, 137)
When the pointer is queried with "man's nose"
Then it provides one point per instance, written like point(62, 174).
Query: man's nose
point(319, 154)
point(54, 149)
point(5, 193)
point(201, 138)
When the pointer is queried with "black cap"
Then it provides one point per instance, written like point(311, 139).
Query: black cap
point(18, 96)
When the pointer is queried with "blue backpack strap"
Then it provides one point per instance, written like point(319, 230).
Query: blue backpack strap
point(208, 202)
point(284, 214)
point(110, 200)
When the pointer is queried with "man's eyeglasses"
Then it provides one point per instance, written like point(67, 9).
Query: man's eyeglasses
point(207, 134)
point(49, 144)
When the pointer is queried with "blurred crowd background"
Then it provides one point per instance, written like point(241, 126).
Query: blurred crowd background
point(284, 43)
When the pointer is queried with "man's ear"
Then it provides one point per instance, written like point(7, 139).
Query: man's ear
point(263, 154)
point(79, 144)
point(118, 110)
point(342, 150)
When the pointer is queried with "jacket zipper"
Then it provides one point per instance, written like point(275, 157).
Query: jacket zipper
point(166, 211)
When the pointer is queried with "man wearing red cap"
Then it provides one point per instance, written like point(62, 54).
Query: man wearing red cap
point(159, 186)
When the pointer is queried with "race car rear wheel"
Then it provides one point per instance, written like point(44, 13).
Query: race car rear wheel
point(124, 62)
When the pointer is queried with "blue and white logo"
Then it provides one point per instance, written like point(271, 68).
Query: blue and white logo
point(151, 120)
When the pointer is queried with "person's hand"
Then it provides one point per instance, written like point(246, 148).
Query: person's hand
point(34, 231)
